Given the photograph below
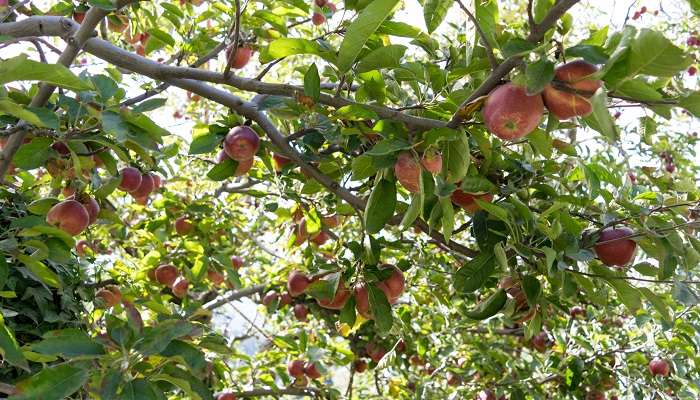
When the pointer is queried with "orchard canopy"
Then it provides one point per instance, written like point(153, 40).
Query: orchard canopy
point(368, 199)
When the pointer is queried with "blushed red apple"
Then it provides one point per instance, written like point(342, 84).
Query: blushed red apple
point(611, 250)
point(297, 282)
point(241, 143)
point(509, 113)
point(407, 171)
point(573, 76)
point(70, 216)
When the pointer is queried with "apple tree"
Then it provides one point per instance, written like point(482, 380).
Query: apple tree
point(378, 199)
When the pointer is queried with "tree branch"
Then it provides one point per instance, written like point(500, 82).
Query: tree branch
point(536, 34)
point(307, 391)
point(236, 39)
point(233, 296)
point(482, 35)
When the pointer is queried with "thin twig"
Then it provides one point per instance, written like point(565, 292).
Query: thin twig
point(236, 38)
point(482, 35)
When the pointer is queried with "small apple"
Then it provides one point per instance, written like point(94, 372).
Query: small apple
point(295, 368)
point(180, 287)
point(338, 301)
point(226, 396)
point(331, 7)
point(300, 233)
point(432, 162)
point(70, 216)
point(270, 297)
point(320, 238)
point(362, 300)
point(577, 311)
point(61, 148)
point(166, 274)
point(540, 342)
point(321, 3)
point(131, 179)
point(301, 312)
point(595, 395)
point(297, 282)
point(509, 113)
point(216, 277)
point(157, 181)
point(453, 379)
point(280, 161)
point(145, 188)
point(311, 371)
point(611, 250)
point(236, 262)
point(375, 351)
point(285, 299)
point(241, 143)
point(466, 200)
point(407, 171)
point(318, 18)
point(240, 58)
point(394, 285)
point(91, 206)
point(330, 221)
point(110, 295)
point(658, 366)
point(183, 226)
point(78, 16)
point(359, 365)
point(81, 246)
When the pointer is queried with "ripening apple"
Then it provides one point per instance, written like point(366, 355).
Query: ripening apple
point(362, 300)
point(61, 148)
point(374, 351)
point(270, 297)
point(70, 216)
point(117, 23)
point(280, 161)
point(573, 76)
point(110, 295)
point(394, 285)
point(432, 162)
point(611, 250)
point(330, 221)
point(240, 58)
point(236, 262)
point(180, 287)
point(658, 366)
point(338, 301)
point(295, 368)
point(321, 3)
point(300, 233)
point(320, 238)
point(311, 371)
point(466, 200)
point(509, 113)
point(285, 299)
point(540, 342)
point(145, 188)
point(183, 226)
point(241, 143)
point(79, 16)
point(131, 179)
point(359, 365)
point(300, 312)
point(297, 282)
point(81, 246)
point(577, 311)
point(243, 166)
point(157, 181)
point(226, 396)
point(318, 18)
point(407, 171)
point(166, 274)
point(216, 277)
point(91, 206)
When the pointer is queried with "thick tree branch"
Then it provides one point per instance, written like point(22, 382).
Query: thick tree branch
point(536, 34)
point(233, 296)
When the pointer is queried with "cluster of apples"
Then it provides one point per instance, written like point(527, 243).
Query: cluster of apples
point(240, 145)
point(300, 370)
point(139, 185)
point(109, 296)
point(325, 8)
point(510, 113)
point(667, 158)
point(168, 275)
point(319, 238)
point(217, 278)
point(74, 214)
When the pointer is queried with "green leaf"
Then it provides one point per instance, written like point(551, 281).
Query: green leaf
point(21, 68)
point(103, 4)
point(140, 389)
point(156, 339)
point(204, 142)
point(413, 210)
point(592, 54)
point(486, 12)
point(657, 302)
point(383, 57)
point(360, 30)
point(652, 54)
point(628, 294)
point(285, 47)
point(436, 135)
point(68, 343)
point(42, 206)
point(489, 307)
point(474, 273)
point(380, 309)
point(380, 206)
point(9, 349)
point(541, 142)
point(33, 154)
point(40, 117)
point(312, 83)
point(600, 119)
point(691, 103)
point(538, 75)
point(355, 112)
point(448, 217)
point(456, 159)
point(532, 289)
point(52, 383)
point(223, 170)
point(388, 146)
point(362, 167)
point(40, 271)
point(434, 12)
point(347, 314)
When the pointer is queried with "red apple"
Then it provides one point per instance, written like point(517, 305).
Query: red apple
point(432, 162)
point(611, 250)
point(236, 262)
point(577, 311)
point(540, 342)
point(301, 312)
point(407, 171)
point(466, 200)
point(311, 371)
point(320, 238)
point(321, 3)
point(131, 179)
point(280, 161)
point(166, 274)
point(330, 221)
point(565, 105)
point(285, 299)
point(338, 301)
point(240, 58)
point(394, 285)
point(300, 233)
point(657, 366)
point(180, 287)
point(110, 295)
point(375, 351)
point(216, 277)
point(157, 181)
point(295, 368)
point(331, 7)
point(226, 396)
point(70, 216)
point(318, 18)
point(362, 300)
point(145, 188)
point(297, 282)
point(91, 206)
point(360, 366)
point(183, 226)
point(509, 113)
point(270, 297)
point(241, 143)
point(61, 148)
point(595, 395)
point(79, 17)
